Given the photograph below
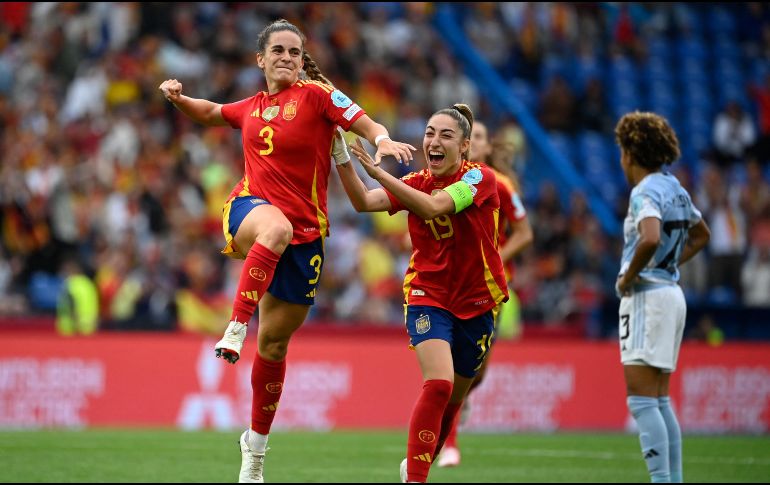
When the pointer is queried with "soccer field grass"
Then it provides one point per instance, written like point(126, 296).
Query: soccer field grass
point(341, 456)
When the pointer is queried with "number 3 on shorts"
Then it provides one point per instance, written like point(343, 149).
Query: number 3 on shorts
point(315, 262)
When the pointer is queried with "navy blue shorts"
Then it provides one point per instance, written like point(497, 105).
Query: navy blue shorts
point(469, 340)
point(298, 271)
point(233, 214)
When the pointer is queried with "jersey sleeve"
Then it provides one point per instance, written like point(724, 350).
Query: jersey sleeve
point(644, 205)
point(695, 214)
point(234, 113)
point(336, 106)
point(483, 184)
point(395, 205)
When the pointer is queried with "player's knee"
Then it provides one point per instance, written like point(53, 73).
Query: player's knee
point(276, 236)
point(273, 348)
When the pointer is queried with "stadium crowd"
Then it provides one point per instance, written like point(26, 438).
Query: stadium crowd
point(100, 176)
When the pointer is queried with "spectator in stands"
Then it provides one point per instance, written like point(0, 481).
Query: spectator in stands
point(592, 113)
point(734, 133)
point(761, 95)
point(556, 110)
point(755, 275)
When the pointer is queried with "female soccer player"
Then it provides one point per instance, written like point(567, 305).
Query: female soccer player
point(275, 217)
point(455, 277)
point(515, 235)
point(662, 230)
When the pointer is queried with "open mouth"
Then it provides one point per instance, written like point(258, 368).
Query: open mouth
point(435, 158)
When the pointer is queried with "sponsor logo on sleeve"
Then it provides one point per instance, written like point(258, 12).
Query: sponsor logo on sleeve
point(351, 112)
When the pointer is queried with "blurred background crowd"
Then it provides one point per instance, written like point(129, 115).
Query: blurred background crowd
point(106, 190)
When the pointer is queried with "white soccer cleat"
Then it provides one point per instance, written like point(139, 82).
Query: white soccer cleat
point(402, 471)
point(449, 456)
point(251, 463)
point(229, 348)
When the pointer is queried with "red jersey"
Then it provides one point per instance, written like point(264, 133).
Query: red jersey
point(287, 140)
point(512, 210)
point(455, 263)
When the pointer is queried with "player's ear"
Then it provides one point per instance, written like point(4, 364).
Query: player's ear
point(465, 146)
point(260, 60)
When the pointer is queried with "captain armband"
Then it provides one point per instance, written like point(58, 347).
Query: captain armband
point(461, 194)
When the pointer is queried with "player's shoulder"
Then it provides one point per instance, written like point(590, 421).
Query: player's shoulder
point(311, 86)
point(475, 172)
point(504, 180)
point(419, 176)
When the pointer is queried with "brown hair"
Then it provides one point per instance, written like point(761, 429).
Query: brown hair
point(648, 139)
point(463, 115)
point(311, 69)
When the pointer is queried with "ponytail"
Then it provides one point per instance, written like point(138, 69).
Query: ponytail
point(312, 70)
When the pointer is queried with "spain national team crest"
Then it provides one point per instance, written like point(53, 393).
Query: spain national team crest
point(422, 324)
point(290, 110)
point(270, 113)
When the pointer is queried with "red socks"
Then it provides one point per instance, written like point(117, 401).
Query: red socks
point(425, 427)
point(449, 424)
point(266, 384)
point(256, 275)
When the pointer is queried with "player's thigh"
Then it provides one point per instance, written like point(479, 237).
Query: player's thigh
point(279, 319)
point(472, 341)
point(435, 358)
point(264, 219)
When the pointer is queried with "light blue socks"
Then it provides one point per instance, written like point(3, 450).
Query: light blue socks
point(674, 438)
point(653, 436)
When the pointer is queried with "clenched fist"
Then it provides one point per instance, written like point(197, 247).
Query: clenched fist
point(171, 89)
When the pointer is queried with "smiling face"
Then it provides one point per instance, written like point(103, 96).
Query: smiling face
point(443, 145)
point(281, 60)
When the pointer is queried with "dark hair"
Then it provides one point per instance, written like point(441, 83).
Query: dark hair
point(311, 69)
point(463, 115)
point(648, 139)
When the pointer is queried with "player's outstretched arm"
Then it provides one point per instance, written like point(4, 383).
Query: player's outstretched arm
point(421, 204)
point(202, 111)
point(378, 136)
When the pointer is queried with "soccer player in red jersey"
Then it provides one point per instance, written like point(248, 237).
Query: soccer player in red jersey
point(276, 217)
point(455, 277)
point(515, 235)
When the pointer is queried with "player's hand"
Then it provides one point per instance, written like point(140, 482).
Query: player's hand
point(400, 151)
point(366, 160)
point(171, 89)
point(622, 287)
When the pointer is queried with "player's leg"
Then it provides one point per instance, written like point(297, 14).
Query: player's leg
point(642, 384)
point(278, 320)
point(664, 400)
point(472, 341)
point(430, 334)
point(261, 235)
point(673, 429)
point(281, 313)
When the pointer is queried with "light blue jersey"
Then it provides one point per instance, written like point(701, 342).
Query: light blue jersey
point(659, 195)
